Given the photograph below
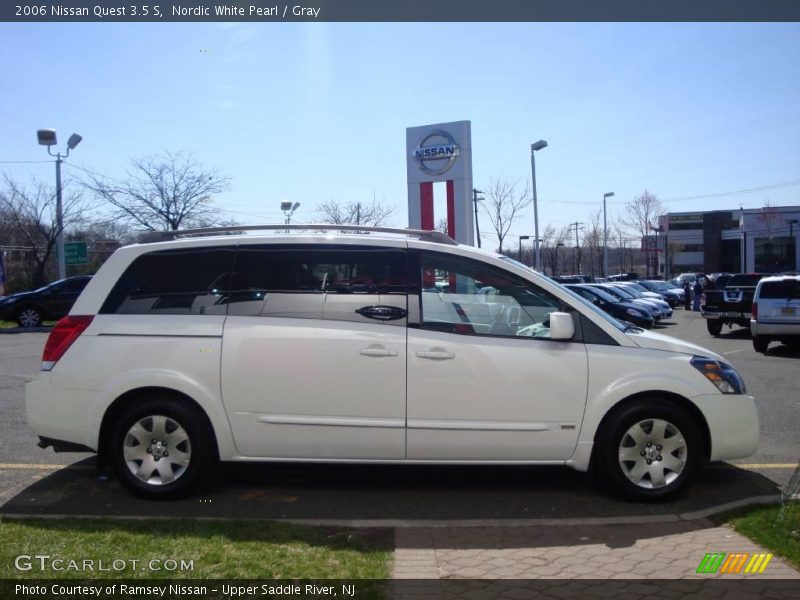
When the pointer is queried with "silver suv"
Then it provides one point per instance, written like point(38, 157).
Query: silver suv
point(776, 312)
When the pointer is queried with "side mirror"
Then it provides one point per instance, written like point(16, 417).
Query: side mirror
point(561, 326)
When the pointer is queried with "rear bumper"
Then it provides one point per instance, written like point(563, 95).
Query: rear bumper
point(59, 414)
point(777, 330)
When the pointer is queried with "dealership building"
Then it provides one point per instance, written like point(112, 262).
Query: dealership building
point(742, 240)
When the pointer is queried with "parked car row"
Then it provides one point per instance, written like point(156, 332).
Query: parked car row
point(626, 301)
point(48, 303)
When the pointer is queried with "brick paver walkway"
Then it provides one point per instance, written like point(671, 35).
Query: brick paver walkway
point(639, 551)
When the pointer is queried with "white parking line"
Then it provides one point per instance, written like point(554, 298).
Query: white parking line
point(41, 467)
point(732, 352)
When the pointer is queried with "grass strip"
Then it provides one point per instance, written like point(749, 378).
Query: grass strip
point(216, 549)
point(764, 525)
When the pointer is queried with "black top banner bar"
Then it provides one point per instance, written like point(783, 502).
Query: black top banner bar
point(401, 10)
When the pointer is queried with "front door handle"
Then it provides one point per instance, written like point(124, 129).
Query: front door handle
point(382, 313)
point(436, 355)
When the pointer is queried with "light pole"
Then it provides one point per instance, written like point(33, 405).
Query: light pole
point(475, 200)
point(288, 210)
point(522, 237)
point(605, 234)
point(538, 258)
point(558, 245)
point(47, 137)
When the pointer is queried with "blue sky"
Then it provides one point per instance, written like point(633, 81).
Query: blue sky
point(318, 111)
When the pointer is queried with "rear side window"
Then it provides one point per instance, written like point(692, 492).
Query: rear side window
point(744, 280)
point(302, 282)
point(178, 282)
point(786, 289)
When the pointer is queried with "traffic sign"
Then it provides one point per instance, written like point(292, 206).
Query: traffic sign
point(76, 253)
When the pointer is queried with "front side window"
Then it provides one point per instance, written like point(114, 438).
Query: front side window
point(465, 296)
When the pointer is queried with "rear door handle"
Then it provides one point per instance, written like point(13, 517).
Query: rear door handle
point(382, 313)
point(377, 352)
point(436, 355)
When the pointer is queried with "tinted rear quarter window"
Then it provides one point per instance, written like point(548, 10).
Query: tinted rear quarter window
point(182, 282)
point(789, 288)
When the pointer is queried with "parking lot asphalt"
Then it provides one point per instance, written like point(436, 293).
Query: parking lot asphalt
point(35, 481)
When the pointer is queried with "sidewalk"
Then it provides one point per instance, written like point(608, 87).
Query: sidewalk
point(636, 551)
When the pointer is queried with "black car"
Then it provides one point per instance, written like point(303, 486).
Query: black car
point(624, 311)
point(48, 303)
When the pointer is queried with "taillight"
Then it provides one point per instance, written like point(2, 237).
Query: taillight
point(755, 311)
point(66, 331)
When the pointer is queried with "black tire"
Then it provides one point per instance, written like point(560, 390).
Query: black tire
point(29, 316)
point(714, 326)
point(167, 425)
point(760, 343)
point(677, 471)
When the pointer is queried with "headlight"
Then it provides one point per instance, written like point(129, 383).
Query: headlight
point(634, 313)
point(720, 374)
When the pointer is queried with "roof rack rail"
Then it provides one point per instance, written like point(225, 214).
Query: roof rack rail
point(422, 234)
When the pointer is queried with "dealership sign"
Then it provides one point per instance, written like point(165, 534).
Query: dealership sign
point(441, 153)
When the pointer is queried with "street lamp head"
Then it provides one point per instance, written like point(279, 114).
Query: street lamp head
point(538, 145)
point(295, 206)
point(608, 194)
point(47, 137)
point(73, 141)
point(286, 206)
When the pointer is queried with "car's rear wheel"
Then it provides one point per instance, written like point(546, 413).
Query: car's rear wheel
point(649, 450)
point(161, 447)
point(714, 326)
point(760, 343)
point(29, 316)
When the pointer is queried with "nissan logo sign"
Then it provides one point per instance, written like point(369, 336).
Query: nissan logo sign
point(435, 159)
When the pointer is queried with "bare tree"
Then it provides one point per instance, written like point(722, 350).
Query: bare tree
point(162, 192)
point(593, 240)
point(554, 242)
point(504, 205)
point(641, 215)
point(29, 223)
point(770, 219)
point(356, 212)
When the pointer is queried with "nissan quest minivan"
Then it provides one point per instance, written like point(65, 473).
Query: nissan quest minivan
point(370, 345)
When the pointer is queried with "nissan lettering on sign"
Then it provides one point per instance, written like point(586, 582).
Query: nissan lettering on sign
point(441, 153)
point(436, 159)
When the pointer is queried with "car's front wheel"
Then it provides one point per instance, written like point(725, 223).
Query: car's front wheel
point(29, 316)
point(649, 450)
point(161, 448)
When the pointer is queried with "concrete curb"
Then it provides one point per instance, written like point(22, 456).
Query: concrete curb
point(42, 329)
point(698, 515)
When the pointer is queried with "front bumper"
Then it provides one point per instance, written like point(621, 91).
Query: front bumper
point(732, 422)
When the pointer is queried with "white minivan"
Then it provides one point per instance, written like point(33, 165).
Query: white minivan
point(370, 345)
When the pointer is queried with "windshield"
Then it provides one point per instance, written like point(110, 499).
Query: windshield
point(626, 293)
point(593, 307)
point(602, 294)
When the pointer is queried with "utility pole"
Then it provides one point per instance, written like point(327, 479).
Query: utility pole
point(475, 200)
point(577, 243)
